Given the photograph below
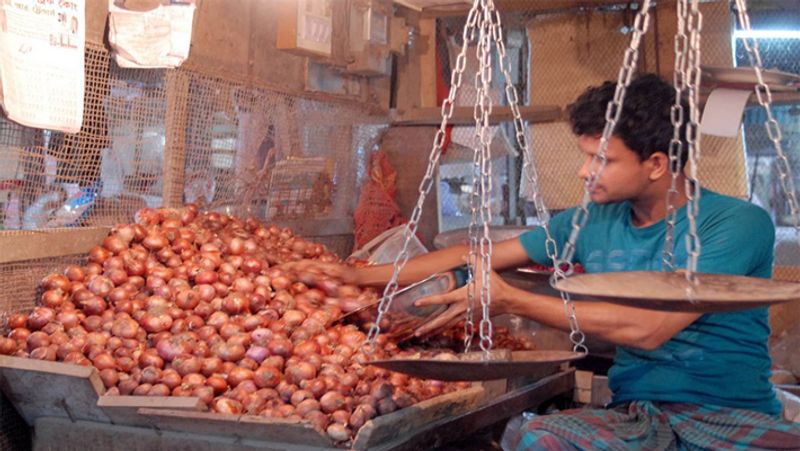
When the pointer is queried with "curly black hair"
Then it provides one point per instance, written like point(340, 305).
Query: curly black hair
point(645, 125)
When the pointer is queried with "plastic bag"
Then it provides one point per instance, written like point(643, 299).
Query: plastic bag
point(385, 247)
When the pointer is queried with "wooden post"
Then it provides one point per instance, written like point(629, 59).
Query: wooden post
point(177, 86)
point(427, 62)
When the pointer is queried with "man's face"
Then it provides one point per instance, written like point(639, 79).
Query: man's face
point(624, 176)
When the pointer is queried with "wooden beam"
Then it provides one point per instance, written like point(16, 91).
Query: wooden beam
point(20, 246)
point(427, 62)
point(125, 409)
point(528, 6)
point(177, 84)
point(464, 115)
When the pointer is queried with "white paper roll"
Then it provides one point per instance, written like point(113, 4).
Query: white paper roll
point(722, 115)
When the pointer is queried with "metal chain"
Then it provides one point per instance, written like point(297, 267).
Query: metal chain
point(676, 143)
point(694, 25)
point(474, 199)
point(532, 177)
point(474, 232)
point(428, 179)
point(483, 137)
point(564, 266)
point(764, 96)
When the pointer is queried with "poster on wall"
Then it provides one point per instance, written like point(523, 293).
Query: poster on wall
point(42, 76)
point(150, 36)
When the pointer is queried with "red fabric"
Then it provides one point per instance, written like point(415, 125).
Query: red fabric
point(377, 210)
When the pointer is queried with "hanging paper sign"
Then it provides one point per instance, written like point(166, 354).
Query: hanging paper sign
point(159, 37)
point(42, 76)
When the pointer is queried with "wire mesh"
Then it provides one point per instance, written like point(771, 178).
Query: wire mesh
point(587, 44)
point(154, 137)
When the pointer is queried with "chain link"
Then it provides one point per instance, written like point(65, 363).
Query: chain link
point(483, 138)
point(676, 143)
point(531, 175)
point(564, 266)
point(448, 104)
point(694, 25)
point(474, 200)
point(764, 96)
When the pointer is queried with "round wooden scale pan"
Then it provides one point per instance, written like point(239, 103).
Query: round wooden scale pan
point(668, 290)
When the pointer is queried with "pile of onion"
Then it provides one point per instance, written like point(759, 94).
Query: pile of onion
point(195, 304)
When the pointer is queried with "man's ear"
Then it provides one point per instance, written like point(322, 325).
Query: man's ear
point(658, 164)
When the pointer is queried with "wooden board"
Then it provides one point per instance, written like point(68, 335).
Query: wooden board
point(32, 245)
point(38, 388)
point(125, 409)
point(64, 435)
point(427, 62)
point(496, 409)
point(61, 434)
point(464, 115)
point(449, 8)
point(241, 426)
point(667, 290)
point(404, 422)
point(419, 5)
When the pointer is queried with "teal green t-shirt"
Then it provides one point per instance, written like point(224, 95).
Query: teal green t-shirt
point(720, 359)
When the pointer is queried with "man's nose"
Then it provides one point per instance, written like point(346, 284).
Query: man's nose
point(584, 172)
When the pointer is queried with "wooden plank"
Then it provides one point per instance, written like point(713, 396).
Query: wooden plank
point(420, 5)
point(427, 61)
point(125, 409)
point(527, 6)
point(405, 422)
point(175, 149)
point(783, 317)
point(490, 413)
point(96, 15)
point(464, 115)
point(493, 389)
point(38, 388)
point(64, 435)
point(665, 25)
point(241, 426)
point(43, 244)
point(601, 394)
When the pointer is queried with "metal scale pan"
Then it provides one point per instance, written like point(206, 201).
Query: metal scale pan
point(668, 290)
point(501, 364)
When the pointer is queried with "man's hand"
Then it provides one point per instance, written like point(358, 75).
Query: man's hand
point(457, 301)
point(344, 273)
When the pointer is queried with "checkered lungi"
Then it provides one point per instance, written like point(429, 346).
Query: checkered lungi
point(645, 425)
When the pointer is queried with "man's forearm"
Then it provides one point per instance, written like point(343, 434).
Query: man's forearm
point(618, 324)
point(416, 269)
point(508, 253)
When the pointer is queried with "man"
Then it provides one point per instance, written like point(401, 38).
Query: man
point(680, 380)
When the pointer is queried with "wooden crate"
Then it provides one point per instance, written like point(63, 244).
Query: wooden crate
point(55, 389)
point(239, 432)
point(66, 406)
